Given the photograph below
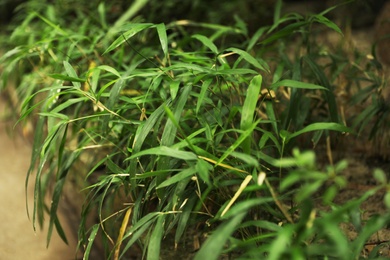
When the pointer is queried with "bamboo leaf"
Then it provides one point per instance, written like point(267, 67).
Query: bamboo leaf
point(248, 159)
point(321, 126)
point(135, 7)
point(213, 246)
point(203, 94)
point(286, 31)
point(133, 30)
point(323, 80)
point(174, 88)
point(244, 135)
point(109, 69)
point(325, 21)
point(155, 239)
point(203, 169)
point(177, 177)
point(166, 151)
point(67, 78)
point(249, 108)
point(245, 205)
point(230, 72)
point(72, 73)
point(183, 221)
point(295, 84)
point(258, 63)
point(162, 35)
point(91, 240)
point(206, 42)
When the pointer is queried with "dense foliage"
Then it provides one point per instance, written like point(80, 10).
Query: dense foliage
point(175, 129)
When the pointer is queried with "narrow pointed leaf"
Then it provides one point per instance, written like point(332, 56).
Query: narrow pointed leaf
point(162, 35)
point(213, 246)
point(206, 42)
point(258, 63)
point(249, 108)
point(133, 30)
point(166, 151)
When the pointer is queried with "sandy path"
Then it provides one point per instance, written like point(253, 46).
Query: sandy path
point(17, 238)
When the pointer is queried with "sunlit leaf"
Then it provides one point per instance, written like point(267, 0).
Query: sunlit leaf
point(258, 63)
point(206, 42)
point(162, 35)
point(166, 151)
point(130, 32)
point(249, 108)
point(295, 84)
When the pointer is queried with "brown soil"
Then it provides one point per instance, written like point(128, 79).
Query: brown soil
point(18, 239)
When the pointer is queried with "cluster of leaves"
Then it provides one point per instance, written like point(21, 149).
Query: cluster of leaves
point(185, 131)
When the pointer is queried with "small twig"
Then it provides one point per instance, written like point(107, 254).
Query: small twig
point(280, 205)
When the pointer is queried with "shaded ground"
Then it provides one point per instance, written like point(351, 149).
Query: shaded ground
point(17, 239)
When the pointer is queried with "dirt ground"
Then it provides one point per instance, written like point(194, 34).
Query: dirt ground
point(17, 239)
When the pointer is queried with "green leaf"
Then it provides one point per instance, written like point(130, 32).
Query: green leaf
point(162, 35)
point(230, 72)
point(148, 219)
point(135, 235)
point(67, 78)
point(56, 115)
point(278, 8)
point(166, 151)
point(102, 15)
point(321, 126)
point(248, 159)
point(286, 31)
point(295, 84)
point(203, 168)
point(109, 69)
point(187, 173)
point(206, 42)
point(67, 104)
point(250, 103)
point(213, 246)
point(269, 108)
point(372, 226)
point(380, 176)
point(203, 94)
point(185, 216)
point(260, 64)
point(72, 73)
point(324, 81)
point(255, 38)
point(387, 200)
point(174, 88)
point(51, 24)
point(154, 244)
point(143, 131)
point(325, 21)
point(170, 134)
point(249, 108)
point(133, 30)
point(170, 129)
point(245, 206)
point(91, 240)
point(135, 7)
point(281, 243)
point(244, 135)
